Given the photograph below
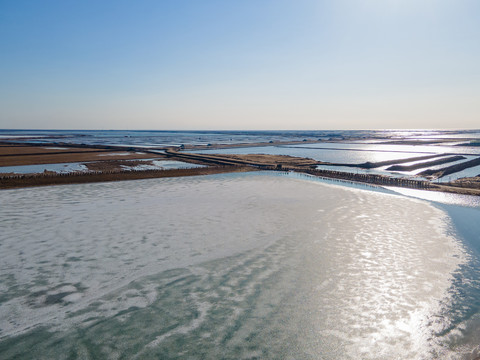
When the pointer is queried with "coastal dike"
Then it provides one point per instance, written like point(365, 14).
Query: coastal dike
point(44, 179)
point(221, 166)
point(214, 164)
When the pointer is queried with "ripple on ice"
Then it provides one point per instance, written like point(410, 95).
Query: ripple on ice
point(227, 265)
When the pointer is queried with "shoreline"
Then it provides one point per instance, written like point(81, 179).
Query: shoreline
point(49, 179)
point(133, 211)
point(105, 168)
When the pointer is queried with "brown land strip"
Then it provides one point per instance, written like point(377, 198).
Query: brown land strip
point(366, 178)
point(425, 164)
point(451, 169)
point(17, 150)
point(33, 155)
point(274, 160)
point(20, 181)
point(54, 153)
point(471, 182)
point(259, 160)
point(373, 165)
point(455, 189)
point(67, 158)
point(286, 160)
point(291, 163)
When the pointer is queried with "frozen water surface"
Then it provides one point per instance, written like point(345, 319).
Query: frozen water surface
point(236, 266)
point(32, 169)
point(75, 167)
point(162, 165)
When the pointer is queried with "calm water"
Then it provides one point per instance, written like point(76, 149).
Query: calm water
point(237, 266)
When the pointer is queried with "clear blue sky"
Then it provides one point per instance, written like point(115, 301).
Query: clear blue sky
point(245, 64)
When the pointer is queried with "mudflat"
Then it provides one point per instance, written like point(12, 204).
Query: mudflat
point(15, 155)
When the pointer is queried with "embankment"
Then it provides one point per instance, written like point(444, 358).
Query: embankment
point(43, 179)
point(451, 169)
point(425, 164)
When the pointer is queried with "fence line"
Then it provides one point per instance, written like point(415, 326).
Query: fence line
point(331, 174)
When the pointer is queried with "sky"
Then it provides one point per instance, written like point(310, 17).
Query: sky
point(239, 64)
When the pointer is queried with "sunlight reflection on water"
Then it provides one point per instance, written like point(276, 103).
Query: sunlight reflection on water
point(438, 196)
point(226, 266)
